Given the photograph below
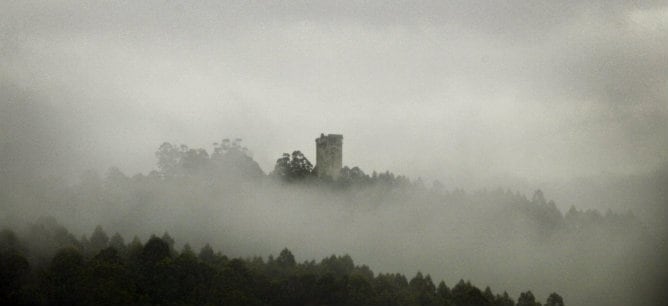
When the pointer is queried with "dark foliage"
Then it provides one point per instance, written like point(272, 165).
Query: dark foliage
point(154, 274)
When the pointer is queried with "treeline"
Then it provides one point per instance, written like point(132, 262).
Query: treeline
point(230, 159)
point(104, 270)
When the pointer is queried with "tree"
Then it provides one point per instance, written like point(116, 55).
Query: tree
point(466, 294)
point(554, 300)
point(360, 291)
point(338, 266)
point(488, 294)
point(300, 166)
point(354, 176)
point(443, 293)
point(9, 243)
point(64, 277)
point(98, 240)
point(293, 167)
point(134, 249)
point(194, 161)
point(108, 281)
point(118, 243)
point(527, 299)
point(538, 197)
point(155, 250)
point(504, 300)
point(188, 251)
point(85, 245)
point(232, 159)
point(286, 259)
point(169, 240)
point(180, 160)
point(226, 146)
point(206, 254)
point(423, 289)
point(169, 158)
point(282, 167)
point(14, 269)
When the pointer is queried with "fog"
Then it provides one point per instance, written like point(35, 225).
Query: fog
point(568, 97)
point(494, 238)
point(523, 90)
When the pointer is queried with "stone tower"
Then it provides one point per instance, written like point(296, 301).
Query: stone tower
point(329, 155)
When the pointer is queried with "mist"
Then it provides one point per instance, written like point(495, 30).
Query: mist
point(496, 238)
point(492, 101)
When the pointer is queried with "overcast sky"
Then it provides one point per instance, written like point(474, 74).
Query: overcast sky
point(455, 90)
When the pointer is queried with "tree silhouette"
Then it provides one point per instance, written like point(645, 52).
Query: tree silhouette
point(293, 167)
point(527, 299)
point(98, 240)
point(286, 259)
point(554, 300)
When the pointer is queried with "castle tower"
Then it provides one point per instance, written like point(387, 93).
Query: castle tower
point(329, 155)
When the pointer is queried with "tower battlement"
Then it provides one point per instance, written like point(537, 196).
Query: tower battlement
point(329, 155)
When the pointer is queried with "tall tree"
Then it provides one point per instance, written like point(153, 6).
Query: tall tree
point(300, 166)
point(527, 299)
point(554, 300)
point(293, 167)
point(155, 250)
point(286, 259)
point(118, 243)
point(98, 240)
point(64, 277)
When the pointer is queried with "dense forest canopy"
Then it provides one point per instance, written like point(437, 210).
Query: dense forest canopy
point(106, 271)
point(389, 223)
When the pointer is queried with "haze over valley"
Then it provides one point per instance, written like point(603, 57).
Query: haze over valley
point(520, 146)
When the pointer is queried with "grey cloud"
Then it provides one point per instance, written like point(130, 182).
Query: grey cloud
point(502, 87)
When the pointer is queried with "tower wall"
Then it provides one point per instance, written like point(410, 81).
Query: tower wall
point(329, 155)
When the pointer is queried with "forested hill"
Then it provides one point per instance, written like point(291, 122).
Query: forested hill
point(62, 270)
point(498, 237)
